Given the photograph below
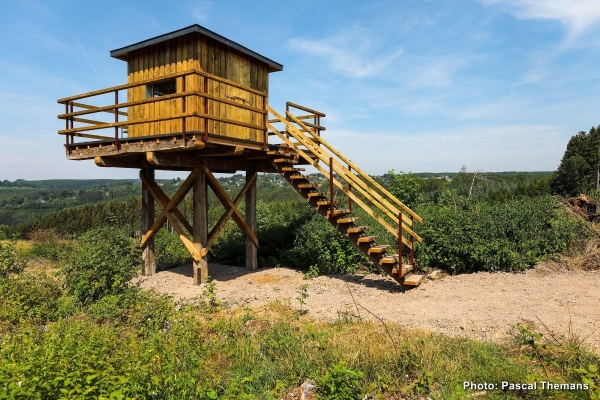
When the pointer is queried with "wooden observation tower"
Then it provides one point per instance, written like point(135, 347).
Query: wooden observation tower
point(196, 101)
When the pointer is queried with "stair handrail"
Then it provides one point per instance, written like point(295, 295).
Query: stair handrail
point(322, 155)
point(336, 182)
point(356, 168)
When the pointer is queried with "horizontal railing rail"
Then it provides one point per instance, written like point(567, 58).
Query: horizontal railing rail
point(341, 170)
point(71, 116)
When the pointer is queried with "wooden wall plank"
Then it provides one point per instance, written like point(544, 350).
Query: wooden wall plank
point(204, 54)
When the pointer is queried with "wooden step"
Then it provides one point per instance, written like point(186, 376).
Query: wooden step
point(367, 239)
point(307, 186)
point(378, 249)
point(406, 268)
point(347, 220)
point(292, 169)
point(339, 213)
point(413, 280)
point(299, 177)
point(285, 161)
point(315, 194)
point(280, 153)
point(389, 259)
point(323, 203)
point(357, 229)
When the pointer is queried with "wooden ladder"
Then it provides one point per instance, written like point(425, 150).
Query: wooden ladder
point(285, 159)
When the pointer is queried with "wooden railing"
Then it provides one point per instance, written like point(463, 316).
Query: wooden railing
point(202, 110)
point(310, 146)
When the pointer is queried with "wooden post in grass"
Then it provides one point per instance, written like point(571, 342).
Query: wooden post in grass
point(148, 257)
point(200, 227)
point(251, 249)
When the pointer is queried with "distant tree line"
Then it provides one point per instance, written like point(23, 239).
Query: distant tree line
point(579, 169)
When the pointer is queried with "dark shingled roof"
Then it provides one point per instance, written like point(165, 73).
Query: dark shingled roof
point(123, 52)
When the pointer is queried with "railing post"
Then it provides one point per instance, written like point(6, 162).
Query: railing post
point(400, 244)
point(67, 127)
point(205, 90)
point(183, 100)
point(331, 207)
point(117, 144)
point(265, 118)
point(349, 190)
point(412, 254)
point(287, 134)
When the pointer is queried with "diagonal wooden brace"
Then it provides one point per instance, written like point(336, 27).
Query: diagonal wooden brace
point(229, 205)
point(152, 188)
point(214, 233)
point(167, 205)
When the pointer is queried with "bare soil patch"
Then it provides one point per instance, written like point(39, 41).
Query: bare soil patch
point(481, 306)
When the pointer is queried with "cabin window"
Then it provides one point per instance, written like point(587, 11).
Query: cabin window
point(161, 88)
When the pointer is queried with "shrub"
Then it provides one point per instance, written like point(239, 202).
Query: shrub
point(340, 383)
point(102, 264)
point(469, 235)
point(10, 263)
point(50, 245)
point(169, 250)
point(320, 245)
point(30, 296)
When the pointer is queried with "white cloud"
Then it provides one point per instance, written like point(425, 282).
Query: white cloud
point(349, 52)
point(578, 16)
point(201, 9)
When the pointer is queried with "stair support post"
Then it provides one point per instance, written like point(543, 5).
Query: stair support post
point(200, 227)
point(350, 190)
point(412, 245)
point(251, 249)
point(400, 262)
point(148, 257)
point(331, 206)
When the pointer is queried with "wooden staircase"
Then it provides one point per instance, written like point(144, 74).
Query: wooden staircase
point(311, 149)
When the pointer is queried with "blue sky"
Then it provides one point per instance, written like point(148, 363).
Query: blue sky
point(496, 85)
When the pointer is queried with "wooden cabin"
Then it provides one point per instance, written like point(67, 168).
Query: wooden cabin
point(196, 101)
point(164, 60)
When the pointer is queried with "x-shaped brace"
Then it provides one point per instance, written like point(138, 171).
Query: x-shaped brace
point(170, 211)
point(214, 233)
point(230, 206)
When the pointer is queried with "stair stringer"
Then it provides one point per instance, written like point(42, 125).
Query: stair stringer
point(343, 228)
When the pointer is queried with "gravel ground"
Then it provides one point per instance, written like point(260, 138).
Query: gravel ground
point(480, 306)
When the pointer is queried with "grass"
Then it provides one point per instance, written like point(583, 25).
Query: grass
point(135, 344)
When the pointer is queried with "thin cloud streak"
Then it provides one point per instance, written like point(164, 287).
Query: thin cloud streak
point(348, 52)
point(577, 16)
point(86, 56)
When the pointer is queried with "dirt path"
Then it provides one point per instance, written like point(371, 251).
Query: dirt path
point(480, 306)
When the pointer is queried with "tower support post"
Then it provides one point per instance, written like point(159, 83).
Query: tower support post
point(251, 249)
point(148, 256)
point(200, 227)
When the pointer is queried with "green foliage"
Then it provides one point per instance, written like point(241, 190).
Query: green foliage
point(406, 187)
point(10, 263)
point(340, 383)
point(579, 168)
point(169, 250)
point(34, 297)
point(102, 264)
point(49, 245)
point(469, 235)
point(320, 245)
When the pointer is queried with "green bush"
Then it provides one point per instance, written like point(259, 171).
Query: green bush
point(169, 250)
point(29, 297)
point(50, 245)
point(102, 264)
point(340, 383)
point(319, 245)
point(463, 234)
point(10, 263)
